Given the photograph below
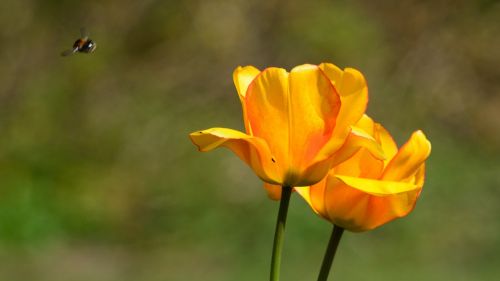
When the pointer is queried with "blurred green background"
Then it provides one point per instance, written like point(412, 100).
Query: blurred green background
point(98, 180)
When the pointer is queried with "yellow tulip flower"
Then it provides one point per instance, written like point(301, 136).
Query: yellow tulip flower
point(364, 192)
point(296, 122)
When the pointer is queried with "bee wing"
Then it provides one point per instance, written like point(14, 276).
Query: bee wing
point(68, 52)
point(84, 33)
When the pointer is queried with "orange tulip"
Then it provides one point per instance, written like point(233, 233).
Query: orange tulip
point(296, 122)
point(364, 192)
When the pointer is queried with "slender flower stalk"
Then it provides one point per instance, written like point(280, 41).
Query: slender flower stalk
point(279, 233)
point(330, 252)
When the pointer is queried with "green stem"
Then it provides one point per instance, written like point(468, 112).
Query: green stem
point(279, 233)
point(330, 253)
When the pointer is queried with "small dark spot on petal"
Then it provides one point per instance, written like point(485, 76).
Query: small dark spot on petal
point(272, 159)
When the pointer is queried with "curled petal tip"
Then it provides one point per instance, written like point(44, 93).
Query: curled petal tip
point(422, 138)
point(409, 158)
point(242, 77)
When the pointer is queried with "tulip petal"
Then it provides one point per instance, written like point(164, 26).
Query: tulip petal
point(267, 105)
point(353, 83)
point(420, 175)
point(408, 159)
point(380, 134)
point(254, 151)
point(317, 190)
point(360, 138)
point(366, 124)
point(314, 104)
point(333, 72)
point(366, 162)
point(353, 91)
point(315, 172)
point(242, 77)
point(378, 187)
point(356, 210)
point(362, 164)
point(303, 191)
point(347, 82)
point(386, 142)
point(314, 195)
point(344, 206)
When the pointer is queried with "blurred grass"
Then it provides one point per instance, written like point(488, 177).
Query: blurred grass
point(100, 182)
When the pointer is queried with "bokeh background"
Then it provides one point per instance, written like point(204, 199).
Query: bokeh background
point(98, 180)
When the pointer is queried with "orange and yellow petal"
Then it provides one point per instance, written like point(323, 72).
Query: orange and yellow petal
point(360, 204)
point(362, 155)
point(386, 142)
point(353, 90)
point(381, 135)
point(366, 124)
point(242, 77)
point(333, 72)
point(358, 211)
point(408, 159)
point(314, 172)
point(362, 164)
point(314, 106)
point(253, 151)
point(357, 139)
point(378, 187)
point(266, 104)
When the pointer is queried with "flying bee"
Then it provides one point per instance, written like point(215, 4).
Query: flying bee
point(81, 45)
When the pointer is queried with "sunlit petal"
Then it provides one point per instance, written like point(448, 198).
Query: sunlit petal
point(386, 142)
point(242, 77)
point(353, 90)
point(267, 105)
point(314, 106)
point(357, 210)
point(378, 187)
point(252, 150)
point(409, 158)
